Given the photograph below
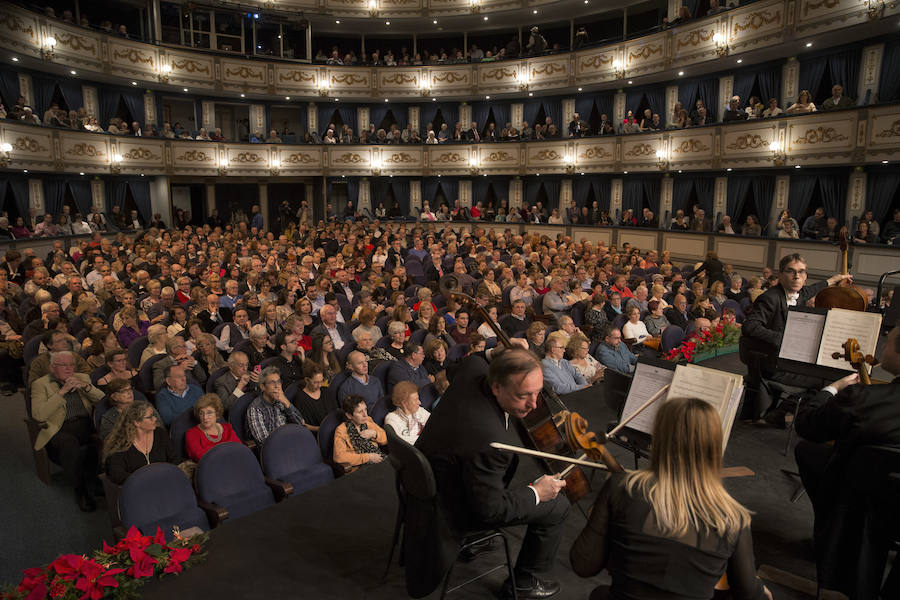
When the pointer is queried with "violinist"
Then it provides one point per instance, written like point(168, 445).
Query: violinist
point(671, 530)
point(851, 415)
point(764, 327)
point(474, 479)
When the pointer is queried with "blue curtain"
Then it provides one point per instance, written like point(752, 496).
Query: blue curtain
point(602, 192)
point(450, 187)
point(530, 190)
point(530, 111)
point(800, 195)
point(551, 187)
point(323, 114)
point(738, 186)
point(54, 195)
point(480, 187)
point(134, 102)
point(81, 191)
point(763, 195)
point(348, 116)
point(553, 109)
point(812, 70)
point(400, 186)
point(140, 191)
point(581, 190)
point(45, 87)
point(681, 195)
point(833, 191)
point(769, 82)
point(632, 195)
point(19, 188)
point(379, 192)
point(377, 113)
point(42, 89)
point(502, 115)
point(108, 99)
point(605, 103)
point(429, 191)
point(708, 91)
point(844, 68)
point(706, 192)
point(480, 111)
point(9, 87)
point(656, 97)
point(353, 191)
point(687, 94)
point(651, 194)
point(890, 73)
point(743, 84)
point(116, 192)
point(584, 106)
point(71, 93)
point(694, 6)
point(633, 100)
point(882, 187)
point(449, 112)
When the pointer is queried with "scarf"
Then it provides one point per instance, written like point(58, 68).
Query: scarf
point(413, 426)
point(360, 444)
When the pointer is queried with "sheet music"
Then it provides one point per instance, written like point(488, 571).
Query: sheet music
point(841, 324)
point(694, 381)
point(647, 380)
point(802, 335)
point(730, 412)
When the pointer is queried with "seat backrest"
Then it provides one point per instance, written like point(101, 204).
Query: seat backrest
point(332, 392)
point(30, 351)
point(457, 352)
point(345, 351)
point(418, 336)
point(326, 433)
point(237, 416)
point(289, 449)
point(211, 382)
point(577, 314)
point(427, 395)
point(99, 410)
point(135, 350)
point(344, 304)
point(99, 373)
point(178, 428)
point(229, 471)
point(382, 322)
point(672, 337)
point(145, 375)
point(413, 469)
point(619, 322)
point(155, 493)
point(538, 305)
point(381, 370)
point(381, 409)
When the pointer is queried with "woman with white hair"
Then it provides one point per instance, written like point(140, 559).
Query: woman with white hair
point(431, 139)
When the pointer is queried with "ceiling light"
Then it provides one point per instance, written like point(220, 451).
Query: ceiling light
point(487, 97)
point(485, 18)
point(337, 22)
point(625, 172)
point(679, 170)
point(585, 1)
point(884, 162)
point(73, 72)
point(337, 100)
point(242, 96)
point(579, 89)
point(534, 12)
point(385, 99)
point(142, 174)
point(809, 44)
point(728, 169)
point(434, 99)
point(185, 89)
point(134, 83)
point(796, 166)
point(435, 21)
point(630, 82)
point(680, 73)
point(24, 170)
point(531, 93)
point(287, 97)
point(82, 173)
point(740, 60)
point(387, 22)
point(15, 59)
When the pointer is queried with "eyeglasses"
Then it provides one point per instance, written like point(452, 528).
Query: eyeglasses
point(793, 272)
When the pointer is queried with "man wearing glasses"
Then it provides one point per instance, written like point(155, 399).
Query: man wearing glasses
point(558, 371)
point(271, 409)
point(764, 327)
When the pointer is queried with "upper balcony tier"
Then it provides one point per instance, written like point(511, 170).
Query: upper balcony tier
point(764, 29)
point(846, 137)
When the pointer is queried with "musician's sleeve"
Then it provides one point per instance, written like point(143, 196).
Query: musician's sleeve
point(589, 553)
point(757, 322)
point(741, 570)
point(488, 497)
point(821, 418)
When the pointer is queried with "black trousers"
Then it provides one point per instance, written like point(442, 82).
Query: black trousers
point(543, 536)
point(761, 371)
point(74, 450)
point(812, 459)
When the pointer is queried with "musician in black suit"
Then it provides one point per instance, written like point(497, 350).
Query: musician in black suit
point(852, 416)
point(764, 327)
point(474, 480)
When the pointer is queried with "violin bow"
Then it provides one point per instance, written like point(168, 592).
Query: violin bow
point(547, 455)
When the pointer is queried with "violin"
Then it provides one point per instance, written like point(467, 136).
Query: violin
point(843, 294)
point(861, 362)
point(558, 432)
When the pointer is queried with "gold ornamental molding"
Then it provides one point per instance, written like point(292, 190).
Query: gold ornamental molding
point(641, 150)
point(756, 21)
point(27, 144)
point(595, 152)
point(548, 70)
point(451, 157)
point(299, 159)
point(645, 52)
point(85, 149)
point(596, 61)
point(196, 156)
point(400, 157)
point(349, 158)
point(348, 79)
point(821, 135)
point(244, 73)
point(892, 131)
point(809, 5)
point(748, 142)
point(140, 154)
point(400, 78)
point(690, 146)
point(191, 66)
point(498, 74)
point(296, 76)
point(500, 156)
point(14, 23)
point(134, 56)
point(248, 157)
point(450, 77)
point(696, 37)
point(76, 42)
point(547, 155)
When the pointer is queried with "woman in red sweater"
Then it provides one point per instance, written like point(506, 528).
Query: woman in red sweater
point(198, 440)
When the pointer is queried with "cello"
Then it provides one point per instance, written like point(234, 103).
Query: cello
point(552, 429)
point(843, 294)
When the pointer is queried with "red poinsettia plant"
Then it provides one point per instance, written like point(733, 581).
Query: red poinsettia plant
point(703, 342)
point(114, 571)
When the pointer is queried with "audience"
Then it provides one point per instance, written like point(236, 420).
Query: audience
point(177, 395)
point(271, 409)
point(357, 439)
point(209, 431)
point(136, 441)
point(408, 418)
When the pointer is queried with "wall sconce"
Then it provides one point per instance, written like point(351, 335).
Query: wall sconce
point(375, 166)
point(47, 49)
point(423, 86)
point(875, 8)
point(778, 155)
point(164, 72)
point(274, 166)
point(475, 6)
point(721, 44)
point(115, 164)
point(223, 166)
point(373, 8)
point(474, 167)
point(5, 150)
point(662, 161)
point(323, 86)
point(523, 79)
point(619, 68)
point(569, 160)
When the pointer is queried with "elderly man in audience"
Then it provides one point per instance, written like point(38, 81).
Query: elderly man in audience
point(236, 381)
point(516, 323)
point(176, 395)
point(360, 383)
point(614, 354)
point(64, 401)
point(559, 373)
point(557, 301)
point(409, 368)
point(271, 409)
point(177, 354)
point(339, 333)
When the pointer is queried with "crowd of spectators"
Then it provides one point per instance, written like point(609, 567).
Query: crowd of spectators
point(295, 324)
point(69, 222)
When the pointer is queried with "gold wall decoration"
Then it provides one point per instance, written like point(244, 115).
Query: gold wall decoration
point(756, 21)
point(244, 73)
point(140, 154)
point(133, 56)
point(547, 155)
point(641, 150)
point(695, 37)
point(248, 157)
point(400, 78)
point(500, 155)
point(13, 23)
point(191, 66)
point(809, 5)
point(748, 142)
point(596, 61)
point(892, 131)
point(298, 158)
point(645, 52)
point(85, 149)
point(348, 79)
point(296, 76)
point(820, 135)
point(595, 152)
point(691, 145)
point(400, 157)
point(27, 144)
point(449, 77)
point(196, 156)
point(349, 157)
point(498, 74)
point(549, 69)
point(76, 42)
point(451, 157)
